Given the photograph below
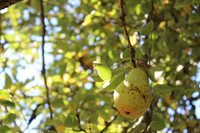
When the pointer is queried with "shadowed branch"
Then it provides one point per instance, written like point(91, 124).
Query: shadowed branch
point(123, 24)
point(7, 3)
point(43, 58)
point(108, 124)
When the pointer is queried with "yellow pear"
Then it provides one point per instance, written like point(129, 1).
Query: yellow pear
point(133, 96)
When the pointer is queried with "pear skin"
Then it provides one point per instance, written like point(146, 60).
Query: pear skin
point(132, 97)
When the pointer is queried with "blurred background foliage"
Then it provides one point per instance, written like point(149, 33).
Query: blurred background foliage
point(165, 32)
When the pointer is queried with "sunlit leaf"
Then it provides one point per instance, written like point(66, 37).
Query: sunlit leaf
point(115, 81)
point(165, 33)
point(4, 95)
point(104, 72)
point(87, 20)
point(8, 81)
point(96, 78)
point(155, 73)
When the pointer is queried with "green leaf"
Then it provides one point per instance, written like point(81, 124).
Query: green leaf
point(96, 78)
point(54, 122)
point(35, 4)
point(157, 125)
point(104, 72)
point(8, 81)
point(195, 52)
point(126, 54)
point(118, 70)
point(133, 3)
point(140, 128)
point(115, 81)
point(70, 67)
point(5, 129)
point(70, 121)
point(93, 118)
point(7, 103)
point(147, 29)
point(157, 122)
point(4, 95)
point(57, 103)
point(162, 90)
point(103, 113)
point(10, 118)
point(146, 7)
point(139, 53)
point(154, 73)
point(50, 131)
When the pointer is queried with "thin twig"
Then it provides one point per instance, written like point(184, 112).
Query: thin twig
point(90, 128)
point(89, 124)
point(79, 119)
point(79, 122)
point(109, 123)
point(0, 28)
point(123, 23)
point(34, 114)
point(148, 115)
point(4, 66)
point(43, 58)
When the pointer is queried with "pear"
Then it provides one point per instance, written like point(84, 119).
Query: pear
point(133, 96)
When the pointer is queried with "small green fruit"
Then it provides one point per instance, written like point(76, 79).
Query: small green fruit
point(132, 97)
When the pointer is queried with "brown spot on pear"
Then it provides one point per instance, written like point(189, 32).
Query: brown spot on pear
point(134, 104)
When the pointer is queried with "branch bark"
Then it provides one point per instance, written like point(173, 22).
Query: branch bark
point(43, 57)
point(7, 3)
point(79, 123)
point(108, 124)
point(123, 23)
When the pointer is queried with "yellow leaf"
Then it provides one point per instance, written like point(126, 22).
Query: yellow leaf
point(60, 128)
point(87, 20)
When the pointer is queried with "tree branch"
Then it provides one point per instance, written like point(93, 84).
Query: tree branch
point(4, 66)
point(43, 58)
point(109, 123)
point(34, 114)
point(79, 122)
point(123, 24)
point(7, 3)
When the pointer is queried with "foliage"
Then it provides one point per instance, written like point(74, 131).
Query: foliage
point(165, 33)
